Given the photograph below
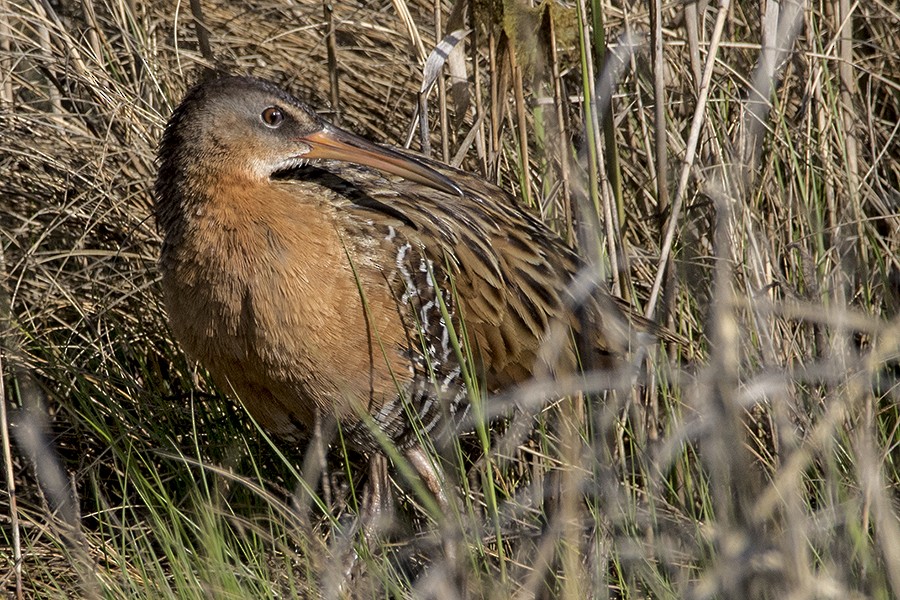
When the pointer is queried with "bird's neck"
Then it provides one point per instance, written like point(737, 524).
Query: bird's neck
point(248, 228)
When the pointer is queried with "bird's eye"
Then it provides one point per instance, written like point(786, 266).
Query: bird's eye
point(272, 116)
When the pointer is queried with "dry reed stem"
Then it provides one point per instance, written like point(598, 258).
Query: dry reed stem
point(693, 139)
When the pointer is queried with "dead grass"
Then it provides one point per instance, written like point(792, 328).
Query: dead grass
point(760, 462)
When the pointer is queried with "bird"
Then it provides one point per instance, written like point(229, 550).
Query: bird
point(317, 275)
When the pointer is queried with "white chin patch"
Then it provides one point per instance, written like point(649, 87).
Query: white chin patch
point(266, 169)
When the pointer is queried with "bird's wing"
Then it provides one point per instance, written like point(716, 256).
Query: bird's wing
point(509, 274)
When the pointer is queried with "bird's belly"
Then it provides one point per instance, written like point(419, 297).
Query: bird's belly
point(290, 352)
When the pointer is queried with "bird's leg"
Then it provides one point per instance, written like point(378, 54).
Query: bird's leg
point(319, 448)
point(434, 479)
point(377, 499)
point(374, 516)
point(431, 474)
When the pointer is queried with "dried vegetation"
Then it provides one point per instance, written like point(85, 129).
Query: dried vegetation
point(761, 460)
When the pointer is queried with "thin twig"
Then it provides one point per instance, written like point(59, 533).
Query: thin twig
point(659, 120)
point(331, 45)
point(521, 126)
point(690, 153)
point(442, 89)
point(5, 324)
point(562, 133)
point(202, 31)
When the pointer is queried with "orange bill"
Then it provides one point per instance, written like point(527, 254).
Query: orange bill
point(337, 144)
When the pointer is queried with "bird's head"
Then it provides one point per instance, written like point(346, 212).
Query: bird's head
point(252, 129)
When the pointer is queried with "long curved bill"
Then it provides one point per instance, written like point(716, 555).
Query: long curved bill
point(337, 144)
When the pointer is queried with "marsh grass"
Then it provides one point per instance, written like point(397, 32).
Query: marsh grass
point(759, 457)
